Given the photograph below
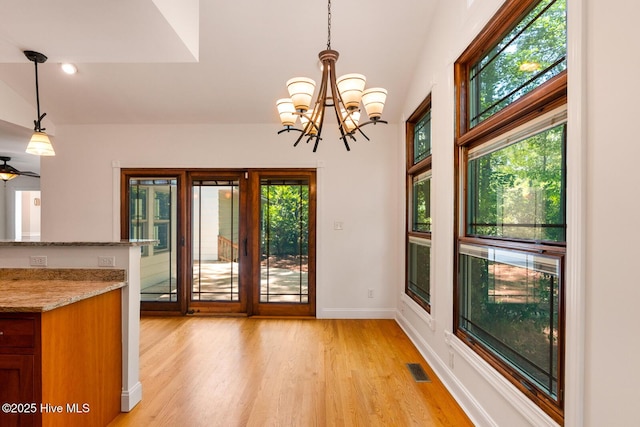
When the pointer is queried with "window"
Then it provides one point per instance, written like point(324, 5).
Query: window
point(511, 171)
point(530, 54)
point(419, 205)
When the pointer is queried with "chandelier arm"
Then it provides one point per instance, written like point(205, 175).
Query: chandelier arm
point(337, 99)
point(337, 103)
point(372, 122)
point(302, 135)
point(361, 133)
point(289, 128)
point(321, 102)
point(315, 146)
point(343, 135)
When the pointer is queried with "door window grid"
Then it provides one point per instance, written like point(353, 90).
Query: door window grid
point(284, 234)
point(153, 213)
point(215, 241)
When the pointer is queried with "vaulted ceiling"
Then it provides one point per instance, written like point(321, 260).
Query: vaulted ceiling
point(195, 61)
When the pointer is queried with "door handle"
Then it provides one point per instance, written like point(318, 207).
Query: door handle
point(246, 251)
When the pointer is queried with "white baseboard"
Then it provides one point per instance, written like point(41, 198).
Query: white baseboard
point(130, 398)
point(356, 313)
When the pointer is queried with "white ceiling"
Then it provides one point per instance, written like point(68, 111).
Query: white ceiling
point(191, 61)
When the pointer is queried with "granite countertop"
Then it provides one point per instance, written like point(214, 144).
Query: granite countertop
point(117, 243)
point(40, 290)
point(35, 296)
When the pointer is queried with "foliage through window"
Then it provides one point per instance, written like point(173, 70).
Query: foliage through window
point(534, 51)
point(422, 138)
point(517, 191)
point(421, 212)
point(511, 171)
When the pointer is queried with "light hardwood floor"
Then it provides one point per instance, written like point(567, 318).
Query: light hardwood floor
point(206, 371)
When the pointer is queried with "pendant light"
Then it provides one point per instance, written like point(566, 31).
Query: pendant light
point(40, 145)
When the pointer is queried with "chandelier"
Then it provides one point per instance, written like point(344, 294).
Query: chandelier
point(39, 144)
point(346, 94)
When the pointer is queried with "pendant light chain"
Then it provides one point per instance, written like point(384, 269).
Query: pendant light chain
point(329, 25)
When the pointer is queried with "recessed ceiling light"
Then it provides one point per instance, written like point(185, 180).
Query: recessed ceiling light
point(69, 68)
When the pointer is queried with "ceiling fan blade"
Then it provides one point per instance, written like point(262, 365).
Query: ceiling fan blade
point(29, 173)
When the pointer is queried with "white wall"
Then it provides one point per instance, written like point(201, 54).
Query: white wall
point(80, 194)
point(613, 183)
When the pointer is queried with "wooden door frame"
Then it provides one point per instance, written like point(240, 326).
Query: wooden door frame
point(250, 273)
point(283, 309)
point(149, 307)
point(244, 273)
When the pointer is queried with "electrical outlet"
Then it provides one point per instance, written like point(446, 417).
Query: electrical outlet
point(106, 261)
point(38, 261)
point(370, 293)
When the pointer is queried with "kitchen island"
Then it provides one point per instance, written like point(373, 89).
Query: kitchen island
point(60, 346)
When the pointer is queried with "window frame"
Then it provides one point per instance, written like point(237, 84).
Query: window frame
point(547, 97)
point(414, 170)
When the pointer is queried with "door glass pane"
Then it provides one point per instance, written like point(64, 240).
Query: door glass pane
point(284, 241)
point(152, 215)
point(215, 222)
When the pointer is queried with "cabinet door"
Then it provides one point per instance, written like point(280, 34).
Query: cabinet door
point(17, 379)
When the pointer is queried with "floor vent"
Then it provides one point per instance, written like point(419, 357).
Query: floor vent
point(418, 373)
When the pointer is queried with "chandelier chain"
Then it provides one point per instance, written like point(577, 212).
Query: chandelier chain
point(329, 25)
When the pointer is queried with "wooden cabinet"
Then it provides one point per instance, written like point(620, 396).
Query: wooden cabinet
point(19, 348)
point(67, 361)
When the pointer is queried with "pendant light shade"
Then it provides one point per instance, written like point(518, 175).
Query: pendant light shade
point(40, 145)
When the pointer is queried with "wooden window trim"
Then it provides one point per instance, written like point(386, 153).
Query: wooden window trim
point(424, 164)
point(414, 169)
point(511, 12)
point(546, 97)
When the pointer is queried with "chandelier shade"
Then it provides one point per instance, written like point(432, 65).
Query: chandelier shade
point(287, 112)
point(350, 87)
point(373, 100)
point(345, 94)
point(301, 92)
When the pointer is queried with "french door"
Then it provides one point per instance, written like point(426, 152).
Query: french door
point(227, 241)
